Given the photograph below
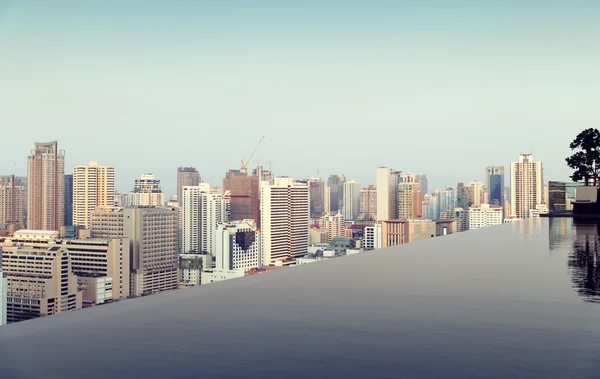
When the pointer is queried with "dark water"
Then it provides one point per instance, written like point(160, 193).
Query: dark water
point(514, 301)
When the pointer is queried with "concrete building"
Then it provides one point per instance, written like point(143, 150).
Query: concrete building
point(477, 194)
point(93, 186)
point(147, 192)
point(244, 194)
point(387, 188)
point(446, 199)
point(410, 200)
point(68, 199)
point(285, 221)
point(461, 217)
point(191, 266)
point(484, 216)
point(396, 232)
point(526, 185)
point(336, 192)
point(186, 177)
point(373, 237)
point(416, 178)
point(152, 233)
point(238, 246)
point(317, 197)
point(351, 200)
point(333, 224)
point(318, 235)
point(202, 209)
point(430, 206)
point(494, 181)
point(39, 281)
point(12, 203)
point(368, 202)
point(46, 190)
point(3, 294)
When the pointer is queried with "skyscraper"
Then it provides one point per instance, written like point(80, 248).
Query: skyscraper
point(186, 176)
point(46, 190)
point(12, 202)
point(68, 199)
point(410, 203)
point(368, 203)
point(285, 220)
point(244, 195)
point(93, 186)
point(351, 200)
point(446, 199)
point(494, 181)
point(147, 192)
point(317, 197)
point(477, 194)
point(526, 185)
point(336, 192)
point(417, 178)
point(387, 188)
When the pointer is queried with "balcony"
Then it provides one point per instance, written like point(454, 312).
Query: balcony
point(517, 300)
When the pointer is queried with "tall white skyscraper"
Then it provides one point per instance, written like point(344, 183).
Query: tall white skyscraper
point(46, 187)
point(285, 220)
point(351, 201)
point(202, 210)
point(238, 246)
point(147, 192)
point(387, 188)
point(526, 185)
point(93, 186)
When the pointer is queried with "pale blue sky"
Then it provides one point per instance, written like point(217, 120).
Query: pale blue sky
point(444, 88)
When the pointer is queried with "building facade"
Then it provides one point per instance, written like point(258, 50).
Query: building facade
point(372, 238)
point(244, 194)
point(368, 202)
point(3, 295)
point(93, 186)
point(387, 188)
point(484, 216)
point(285, 220)
point(12, 203)
point(417, 178)
point(147, 192)
point(526, 185)
point(336, 192)
point(186, 176)
point(410, 200)
point(238, 246)
point(68, 199)
point(494, 181)
point(46, 190)
point(351, 200)
point(333, 224)
point(317, 197)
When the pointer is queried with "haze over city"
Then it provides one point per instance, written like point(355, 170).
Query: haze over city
point(341, 87)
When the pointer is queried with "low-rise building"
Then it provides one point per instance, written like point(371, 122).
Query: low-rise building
point(396, 232)
point(484, 216)
point(191, 266)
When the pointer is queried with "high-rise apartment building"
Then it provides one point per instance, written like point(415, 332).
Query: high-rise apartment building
point(152, 233)
point(526, 185)
point(244, 193)
point(93, 187)
point(494, 181)
point(46, 190)
point(186, 177)
point(202, 209)
point(351, 200)
point(3, 294)
point(147, 192)
point(285, 220)
point(40, 281)
point(12, 203)
point(317, 197)
point(410, 201)
point(485, 215)
point(416, 178)
point(446, 199)
point(460, 215)
point(68, 199)
point(333, 224)
point(238, 246)
point(368, 202)
point(387, 198)
point(478, 194)
point(336, 192)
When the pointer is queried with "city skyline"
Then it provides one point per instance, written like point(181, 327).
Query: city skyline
point(292, 83)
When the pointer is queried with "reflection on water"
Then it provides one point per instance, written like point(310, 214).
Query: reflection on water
point(584, 258)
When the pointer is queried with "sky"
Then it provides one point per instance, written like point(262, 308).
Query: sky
point(444, 88)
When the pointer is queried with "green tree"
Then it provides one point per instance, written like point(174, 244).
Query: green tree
point(586, 161)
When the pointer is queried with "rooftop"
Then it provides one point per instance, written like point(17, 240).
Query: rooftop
point(516, 300)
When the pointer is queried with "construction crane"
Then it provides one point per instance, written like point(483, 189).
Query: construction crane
point(245, 165)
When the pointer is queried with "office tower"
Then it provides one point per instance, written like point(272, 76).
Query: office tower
point(46, 190)
point(372, 238)
point(416, 178)
point(460, 215)
point(244, 195)
point(317, 197)
point(93, 186)
point(485, 215)
point(494, 181)
point(68, 218)
point(410, 203)
point(333, 224)
point(152, 234)
point(446, 199)
point(387, 188)
point(351, 200)
point(202, 209)
point(285, 220)
point(12, 203)
point(3, 295)
point(368, 202)
point(40, 281)
point(238, 246)
point(477, 194)
point(431, 206)
point(147, 192)
point(186, 176)
point(462, 196)
point(336, 192)
point(526, 185)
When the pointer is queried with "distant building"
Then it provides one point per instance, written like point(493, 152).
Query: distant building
point(446, 199)
point(557, 196)
point(285, 221)
point(336, 192)
point(318, 235)
point(186, 176)
point(46, 187)
point(3, 295)
point(373, 235)
point(317, 197)
point(477, 194)
point(93, 186)
point(238, 246)
point(191, 266)
point(484, 216)
point(368, 203)
point(333, 224)
point(351, 200)
point(147, 192)
point(461, 217)
point(526, 185)
point(417, 178)
point(12, 203)
point(397, 232)
point(68, 199)
point(494, 181)
point(244, 194)
point(410, 200)
point(539, 209)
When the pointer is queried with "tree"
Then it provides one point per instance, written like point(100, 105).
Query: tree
point(586, 161)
